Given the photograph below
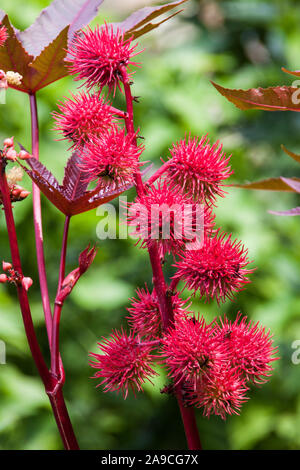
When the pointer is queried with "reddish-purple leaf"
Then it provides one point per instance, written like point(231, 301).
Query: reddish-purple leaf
point(295, 211)
point(39, 52)
point(296, 73)
point(56, 17)
point(270, 184)
point(57, 195)
point(50, 65)
point(295, 156)
point(292, 183)
point(43, 172)
point(13, 56)
point(280, 98)
point(86, 258)
point(74, 183)
point(140, 21)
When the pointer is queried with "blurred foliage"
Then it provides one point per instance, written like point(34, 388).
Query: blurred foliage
point(237, 43)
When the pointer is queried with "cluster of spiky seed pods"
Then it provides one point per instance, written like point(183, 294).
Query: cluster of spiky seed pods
point(214, 363)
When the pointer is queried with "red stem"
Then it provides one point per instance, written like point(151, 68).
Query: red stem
point(174, 283)
point(22, 294)
point(161, 288)
point(158, 173)
point(55, 393)
point(189, 422)
point(55, 358)
point(62, 419)
point(37, 218)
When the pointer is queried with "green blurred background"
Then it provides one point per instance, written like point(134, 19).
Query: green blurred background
point(241, 44)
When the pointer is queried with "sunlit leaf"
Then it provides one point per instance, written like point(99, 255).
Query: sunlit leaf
point(139, 22)
point(50, 65)
point(55, 18)
point(13, 55)
point(279, 98)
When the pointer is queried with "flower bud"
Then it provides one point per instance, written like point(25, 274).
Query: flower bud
point(24, 194)
point(23, 155)
point(13, 78)
point(6, 266)
point(15, 174)
point(16, 191)
point(11, 155)
point(3, 278)
point(27, 282)
point(9, 142)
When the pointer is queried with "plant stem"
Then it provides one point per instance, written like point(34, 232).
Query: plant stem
point(55, 393)
point(189, 422)
point(37, 218)
point(158, 173)
point(22, 294)
point(55, 361)
point(62, 267)
point(174, 283)
point(161, 288)
point(62, 419)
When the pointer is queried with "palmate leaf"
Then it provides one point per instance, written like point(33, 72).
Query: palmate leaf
point(13, 55)
point(279, 98)
point(50, 65)
point(71, 198)
point(139, 22)
point(53, 19)
point(38, 53)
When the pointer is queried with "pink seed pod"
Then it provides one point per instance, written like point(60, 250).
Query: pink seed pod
point(23, 155)
point(16, 192)
point(24, 194)
point(3, 278)
point(11, 154)
point(27, 282)
point(10, 141)
point(6, 266)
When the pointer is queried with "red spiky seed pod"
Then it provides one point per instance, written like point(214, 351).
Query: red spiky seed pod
point(221, 393)
point(190, 350)
point(124, 363)
point(217, 270)
point(198, 168)
point(145, 317)
point(165, 217)
point(83, 117)
point(112, 159)
point(249, 346)
point(97, 55)
point(3, 35)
